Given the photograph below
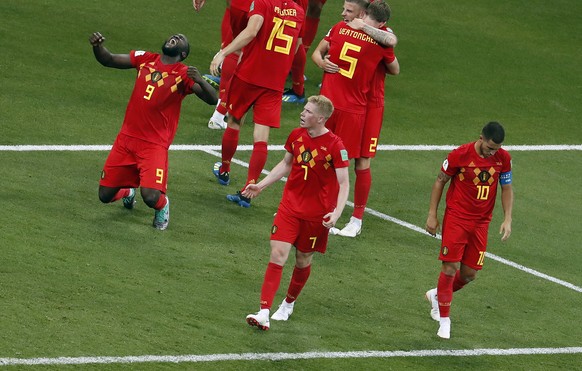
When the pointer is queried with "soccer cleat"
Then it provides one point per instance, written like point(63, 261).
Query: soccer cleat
point(444, 328)
point(214, 81)
point(284, 312)
point(241, 200)
point(334, 231)
point(129, 201)
point(352, 229)
point(259, 319)
point(431, 296)
point(162, 217)
point(289, 96)
point(224, 177)
point(216, 124)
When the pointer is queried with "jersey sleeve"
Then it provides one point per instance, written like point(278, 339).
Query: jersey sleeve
point(450, 164)
point(138, 57)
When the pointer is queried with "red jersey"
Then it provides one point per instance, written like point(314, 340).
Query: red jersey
point(358, 57)
point(312, 187)
point(376, 93)
point(267, 59)
point(153, 110)
point(471, 194)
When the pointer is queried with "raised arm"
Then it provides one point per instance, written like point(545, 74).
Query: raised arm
point(432, 222)
point(105, 57)
point(382, 37)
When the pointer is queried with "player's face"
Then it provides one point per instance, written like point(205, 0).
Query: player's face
point(309, 117)
point(488, 147)
point(175, 45)
point(351, 11)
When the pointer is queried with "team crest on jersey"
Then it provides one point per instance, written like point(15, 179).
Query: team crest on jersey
point(484, 176)
point(156, 76)
point(306, 156)
point(445, 251)
point(274, 229)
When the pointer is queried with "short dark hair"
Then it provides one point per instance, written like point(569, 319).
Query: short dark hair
point(494, 131)
point(379, 11)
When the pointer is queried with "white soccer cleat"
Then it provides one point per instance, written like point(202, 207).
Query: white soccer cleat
point(431, 296)
point(334, 231)
point(444, 328)
point(352, 229)
point(216, 124)
point(284, 312)
point(162, 217)
point(259, 319)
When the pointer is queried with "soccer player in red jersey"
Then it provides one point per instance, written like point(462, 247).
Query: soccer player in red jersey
point(313, 199)
point(268, 44)
point(373, 24)
point(475, 169)
point(139, 157)
point(351, 60)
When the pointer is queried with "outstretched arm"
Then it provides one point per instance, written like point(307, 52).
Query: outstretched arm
point(202, 89)
point(105, 57)
point(280, 170)
point(432, 222)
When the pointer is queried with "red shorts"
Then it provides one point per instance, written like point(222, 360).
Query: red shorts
point(464, 241)
point(372, 128)
point(350, 128)
point(306, 236)
point(133, 163)
point(266, 103)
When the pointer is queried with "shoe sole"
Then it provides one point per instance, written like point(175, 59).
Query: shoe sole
point(239, 202)
point(253, 322)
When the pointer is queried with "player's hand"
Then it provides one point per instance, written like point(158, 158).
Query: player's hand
point(96, 39)
point(505, 230)
point(194, 74)
point(356, 23)
point(330, 219)
point(329, 66)
point(216, 64)
point(432, 225)
point(251, 191)
point(198, 4)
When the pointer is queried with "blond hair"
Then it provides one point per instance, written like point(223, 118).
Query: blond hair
point(323, 105)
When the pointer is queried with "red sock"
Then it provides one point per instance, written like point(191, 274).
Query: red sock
point(310, 31)
point(123, 192)
point(271, 284)
point(228, 66)
point(458, 283)
point(297, 71)
point(229, 144)
point(161, 202)
point(257, 162)
point(361, 192)
point(445, 293)
point(298, 280)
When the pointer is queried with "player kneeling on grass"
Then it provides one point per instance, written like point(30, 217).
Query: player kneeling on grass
point(139, 157)
point(316, 164)
point(474, 169)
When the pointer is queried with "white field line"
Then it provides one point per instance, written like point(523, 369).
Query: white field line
point(213, 150)
point(285, 356)
point(194, 147)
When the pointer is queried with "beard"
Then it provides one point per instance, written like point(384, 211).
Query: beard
point(171, 51)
